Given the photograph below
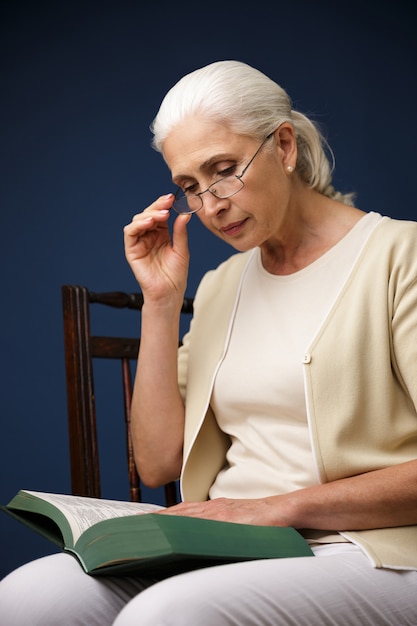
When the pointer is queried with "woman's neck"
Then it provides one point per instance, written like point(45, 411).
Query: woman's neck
point(311, 230)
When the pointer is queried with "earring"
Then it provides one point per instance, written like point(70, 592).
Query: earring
point(290, 168)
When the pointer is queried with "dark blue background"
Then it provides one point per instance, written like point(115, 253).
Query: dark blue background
point(80, 84)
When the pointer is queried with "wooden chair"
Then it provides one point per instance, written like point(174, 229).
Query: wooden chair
point(81, 347)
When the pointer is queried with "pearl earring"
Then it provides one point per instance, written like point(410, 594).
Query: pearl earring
point(290, 168)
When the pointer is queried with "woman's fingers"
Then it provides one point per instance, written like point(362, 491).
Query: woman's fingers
point(155, 217)
point(158, 260)
point(156, 213)
point(144, 226)
point(180, 234)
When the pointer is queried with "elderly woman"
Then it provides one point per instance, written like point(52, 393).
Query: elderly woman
point(293, 400)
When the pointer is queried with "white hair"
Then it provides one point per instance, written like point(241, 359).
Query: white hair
point(249, 103)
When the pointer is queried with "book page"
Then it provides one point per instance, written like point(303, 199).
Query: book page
point(83, 512)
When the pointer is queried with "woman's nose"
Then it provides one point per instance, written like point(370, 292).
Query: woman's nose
point(212, 205)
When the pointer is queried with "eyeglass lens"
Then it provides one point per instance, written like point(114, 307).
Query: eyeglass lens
point(223, 188)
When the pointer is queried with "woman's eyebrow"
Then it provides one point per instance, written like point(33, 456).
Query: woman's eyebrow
point(223, 156)
point(206, 165)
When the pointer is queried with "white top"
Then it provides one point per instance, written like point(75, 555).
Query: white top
point(258, 396)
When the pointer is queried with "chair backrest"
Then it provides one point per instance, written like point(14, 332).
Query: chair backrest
point(81, 347)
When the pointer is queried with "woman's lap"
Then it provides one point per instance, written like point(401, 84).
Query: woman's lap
point(55, 590)
point(342, 589)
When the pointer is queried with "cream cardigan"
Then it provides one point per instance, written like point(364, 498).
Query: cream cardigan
point(360, 376)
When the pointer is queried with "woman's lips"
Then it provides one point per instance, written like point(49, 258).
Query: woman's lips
point(233, 229)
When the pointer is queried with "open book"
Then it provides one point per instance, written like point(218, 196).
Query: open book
point(113, 537)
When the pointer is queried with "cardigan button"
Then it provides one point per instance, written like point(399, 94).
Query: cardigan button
point(307, 358)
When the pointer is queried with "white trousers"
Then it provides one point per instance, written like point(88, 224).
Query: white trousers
point(338, 587)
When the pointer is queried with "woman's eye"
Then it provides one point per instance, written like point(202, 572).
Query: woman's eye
point(190, 189)
point(228, 171)
point(223, 173)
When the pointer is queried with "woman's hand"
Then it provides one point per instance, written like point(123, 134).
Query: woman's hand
point(259, 511)
point(159, 264)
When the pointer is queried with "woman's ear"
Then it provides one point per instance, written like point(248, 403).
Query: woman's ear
point(287, 145)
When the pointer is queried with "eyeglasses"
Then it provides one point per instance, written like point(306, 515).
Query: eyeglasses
point(222, 188)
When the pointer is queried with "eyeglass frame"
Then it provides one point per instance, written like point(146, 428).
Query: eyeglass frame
point(238, 176)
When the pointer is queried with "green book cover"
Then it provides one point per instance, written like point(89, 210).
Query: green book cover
point(113, 537)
